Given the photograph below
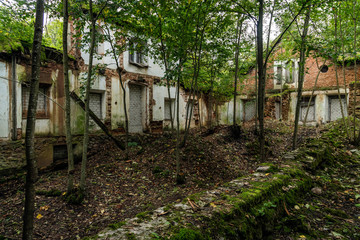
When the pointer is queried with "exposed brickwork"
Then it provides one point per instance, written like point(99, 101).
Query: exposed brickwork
point(351, 99)
point(326, 81)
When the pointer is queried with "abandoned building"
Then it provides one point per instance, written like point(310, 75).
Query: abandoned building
point(321, 81)
point(148, 104)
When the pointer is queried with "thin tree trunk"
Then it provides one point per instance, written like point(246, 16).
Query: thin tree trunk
point(337, 79)
point(126, 114)
point(119, 71)
point(199, 109)
point(261, 84)
point(238, 34)
point(178, 177)
point(67, 100)
point(343, 67)
point(210, 110)
point(355, 72)
point(87, 101)
point(312, 94)
point(31, 162)
point(256, 99)
point(168, 85)
point(301, 75)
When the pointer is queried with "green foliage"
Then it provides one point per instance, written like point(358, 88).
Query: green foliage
point(15, 28)
point(117, 225)
point(53, 34)
point(187, 234)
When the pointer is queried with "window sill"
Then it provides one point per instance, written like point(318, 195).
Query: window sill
point(37, 117)
point(140, 65)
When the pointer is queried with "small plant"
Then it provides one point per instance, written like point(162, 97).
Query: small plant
point(264, 207)
point(132, 144)
point(76, 196)
point(187, 234)
point(117, 225)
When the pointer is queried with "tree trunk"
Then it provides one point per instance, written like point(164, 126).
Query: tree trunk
point(178, 177)
point(301, 76)
point(96, 120)
point(337, 79)
point(238, 34)
point(31, 162)
point(343, 68)
point(119, 71)
point(261, 84)
point(357, 140)
point(312, 94)
point(67, 100)
point(87, 101)
point(126, 114)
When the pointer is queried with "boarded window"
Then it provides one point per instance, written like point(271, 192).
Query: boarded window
point(42, 102)
point(303, 108)
point(95, 104)
point(335, 108)
point(167, 104)
point(249, 110)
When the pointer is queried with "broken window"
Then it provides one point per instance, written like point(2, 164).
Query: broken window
point(290, 73)
point(136, 54)
point(303, 108)
point(167, 104)
point(335, 108)
point(42, 110)
point(96, 104)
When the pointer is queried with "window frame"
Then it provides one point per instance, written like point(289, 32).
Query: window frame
point(170, 101)
point(137, 57)
point(46, 95)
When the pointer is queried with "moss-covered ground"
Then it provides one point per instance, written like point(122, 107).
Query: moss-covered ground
point(332, 209)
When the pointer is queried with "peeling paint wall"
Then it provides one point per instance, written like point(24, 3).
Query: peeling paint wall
point(4, 100)
point(226, 110)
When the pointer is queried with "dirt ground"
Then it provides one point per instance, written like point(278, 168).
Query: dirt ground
point(118, 189)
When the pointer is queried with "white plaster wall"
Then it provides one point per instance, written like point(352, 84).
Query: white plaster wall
point(160, 93)
point(101, 57)
point(77, 114)
point(4, 101)
point(153, 68)
point(107, 60)
point(19, 70)
point(42, 127)
point(203, 111)
point(226, 111)
point(117, 104)
point(223, 116)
